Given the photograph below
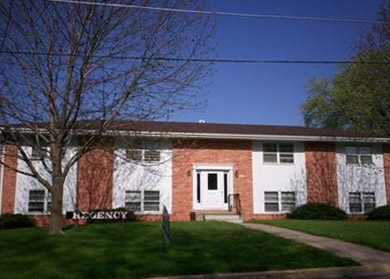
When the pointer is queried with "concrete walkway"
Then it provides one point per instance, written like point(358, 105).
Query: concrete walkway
point(375, 264)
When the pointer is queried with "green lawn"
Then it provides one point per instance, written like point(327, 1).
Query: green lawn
point(134, 250)
point(371, 233)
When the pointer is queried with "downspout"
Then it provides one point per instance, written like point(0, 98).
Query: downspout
point(1, 177)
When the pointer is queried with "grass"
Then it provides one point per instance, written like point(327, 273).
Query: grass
point(370, 233)
point(134, 250)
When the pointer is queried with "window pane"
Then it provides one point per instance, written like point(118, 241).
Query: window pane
point(288, 197)
point(368, 201)
point(355, 202)
point(212, 181)
point(288, 201)
point(35, 206)
point(288, 206)
point(268, 147)
point(366, 159)
point(152, 201)
point(355, 207)
point(152, 155)
point(352, 159)
point(271, 207)
point(271, 196)
point(365, 150)
point(133, 200)
point(270, 158)
point(134, 155)
point(351, 150)
point(286, 158)
point(286, 148)
point(270, 153)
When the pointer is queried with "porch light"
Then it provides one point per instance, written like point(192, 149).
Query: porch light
point(236, 174)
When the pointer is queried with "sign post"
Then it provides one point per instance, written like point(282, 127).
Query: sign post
point(166, 230)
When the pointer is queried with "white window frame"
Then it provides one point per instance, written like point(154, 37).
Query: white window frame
point(357, 155)
point(281, 157)
point(144, 200)
point(46, 200)
point(281, 199)
point(366, 201)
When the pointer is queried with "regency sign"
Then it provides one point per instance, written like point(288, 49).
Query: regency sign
point(97, 215)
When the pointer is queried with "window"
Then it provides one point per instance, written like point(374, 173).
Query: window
point(141, 201)
point(133, 200)
point(38, 153)
point(143, 155)
point(212, 181)
point(278, 153)
point(279, 201)
point(361, 202)
point(151, 201)
point(39, 201)
point(358, 155)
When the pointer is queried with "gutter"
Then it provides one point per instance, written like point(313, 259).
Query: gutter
point(222, 136)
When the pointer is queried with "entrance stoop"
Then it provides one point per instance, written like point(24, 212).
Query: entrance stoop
point(218, 216)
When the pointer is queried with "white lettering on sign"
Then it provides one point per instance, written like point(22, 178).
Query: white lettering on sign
point(97, 215)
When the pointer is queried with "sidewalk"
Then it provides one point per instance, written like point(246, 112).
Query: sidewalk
point(375, 264)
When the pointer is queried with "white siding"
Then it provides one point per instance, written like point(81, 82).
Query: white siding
point(278, 177)
point(137, 176)
point(26, 183)
point(360, 178)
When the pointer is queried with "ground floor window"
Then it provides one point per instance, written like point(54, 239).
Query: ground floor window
point(361, 202)
point(39, 201)
point(140, 201)
point(275, 201)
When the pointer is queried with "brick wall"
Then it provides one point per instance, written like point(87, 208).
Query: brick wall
point(386, 159)
point(9, 180)
point(95, 179)
point(321, 172)
point(185, 154)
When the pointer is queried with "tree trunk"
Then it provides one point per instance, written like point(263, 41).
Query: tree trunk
point(57, 191)
point(56, 208)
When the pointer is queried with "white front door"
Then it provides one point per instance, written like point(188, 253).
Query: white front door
point(212, 189)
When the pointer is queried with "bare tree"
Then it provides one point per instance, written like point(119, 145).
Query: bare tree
point(66, 64)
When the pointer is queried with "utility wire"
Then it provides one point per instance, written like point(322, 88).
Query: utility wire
point(204, 60)
point(231, 14)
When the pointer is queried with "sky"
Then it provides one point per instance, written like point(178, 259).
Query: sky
point(272, 93)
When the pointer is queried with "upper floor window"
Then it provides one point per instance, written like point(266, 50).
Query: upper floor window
point(358, 155)
point(38, 153)
point(140, 155)
point(278, 153)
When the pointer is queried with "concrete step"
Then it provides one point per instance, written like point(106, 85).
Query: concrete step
point(219, 216)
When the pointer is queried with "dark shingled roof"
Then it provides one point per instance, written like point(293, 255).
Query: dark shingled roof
point(207, 129)
point(231, 129)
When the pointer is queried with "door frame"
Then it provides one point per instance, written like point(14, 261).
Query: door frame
point(197, 169)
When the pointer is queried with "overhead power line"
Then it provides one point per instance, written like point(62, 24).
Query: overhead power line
point(217, 13)
point(205, 60)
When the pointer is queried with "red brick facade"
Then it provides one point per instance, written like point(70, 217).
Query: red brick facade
point(9, 180)
point(321, 171)
point(95, 176)
point(236, 153)
point(386, 161)
point(95, 180)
